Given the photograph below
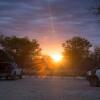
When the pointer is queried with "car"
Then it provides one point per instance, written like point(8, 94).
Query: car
point(10, 70)
point(8, 67)
point(93, 76)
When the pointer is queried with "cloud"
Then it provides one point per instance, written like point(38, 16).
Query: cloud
point(40, 17)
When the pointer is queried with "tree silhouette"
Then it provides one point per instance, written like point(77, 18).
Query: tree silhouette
point(97, 56)
point(77, 51)
point(22, 49)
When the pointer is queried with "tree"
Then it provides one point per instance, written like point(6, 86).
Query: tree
point(97, 56)
point(22, 49)
point(77, 50)
point(98, 10)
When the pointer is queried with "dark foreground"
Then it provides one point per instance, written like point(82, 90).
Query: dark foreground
point(50, 88)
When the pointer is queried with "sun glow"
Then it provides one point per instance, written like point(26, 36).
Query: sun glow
point(56, 57)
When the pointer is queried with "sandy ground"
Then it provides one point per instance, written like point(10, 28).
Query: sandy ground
point(50, 88)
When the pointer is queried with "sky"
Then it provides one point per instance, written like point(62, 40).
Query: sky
point(51, 22)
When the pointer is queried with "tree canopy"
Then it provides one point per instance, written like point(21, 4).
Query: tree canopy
point(77, 46)
point(77, 50)
point(22, 49)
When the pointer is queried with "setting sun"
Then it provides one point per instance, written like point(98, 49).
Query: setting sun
point(56, 57)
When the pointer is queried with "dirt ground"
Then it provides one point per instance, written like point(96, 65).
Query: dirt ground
point(49, 88)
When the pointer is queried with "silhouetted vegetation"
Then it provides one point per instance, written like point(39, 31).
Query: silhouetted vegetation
point(97, 56)
point(22, 49)
point(79, 56)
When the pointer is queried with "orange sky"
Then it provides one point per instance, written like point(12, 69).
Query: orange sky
point(49, 47)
